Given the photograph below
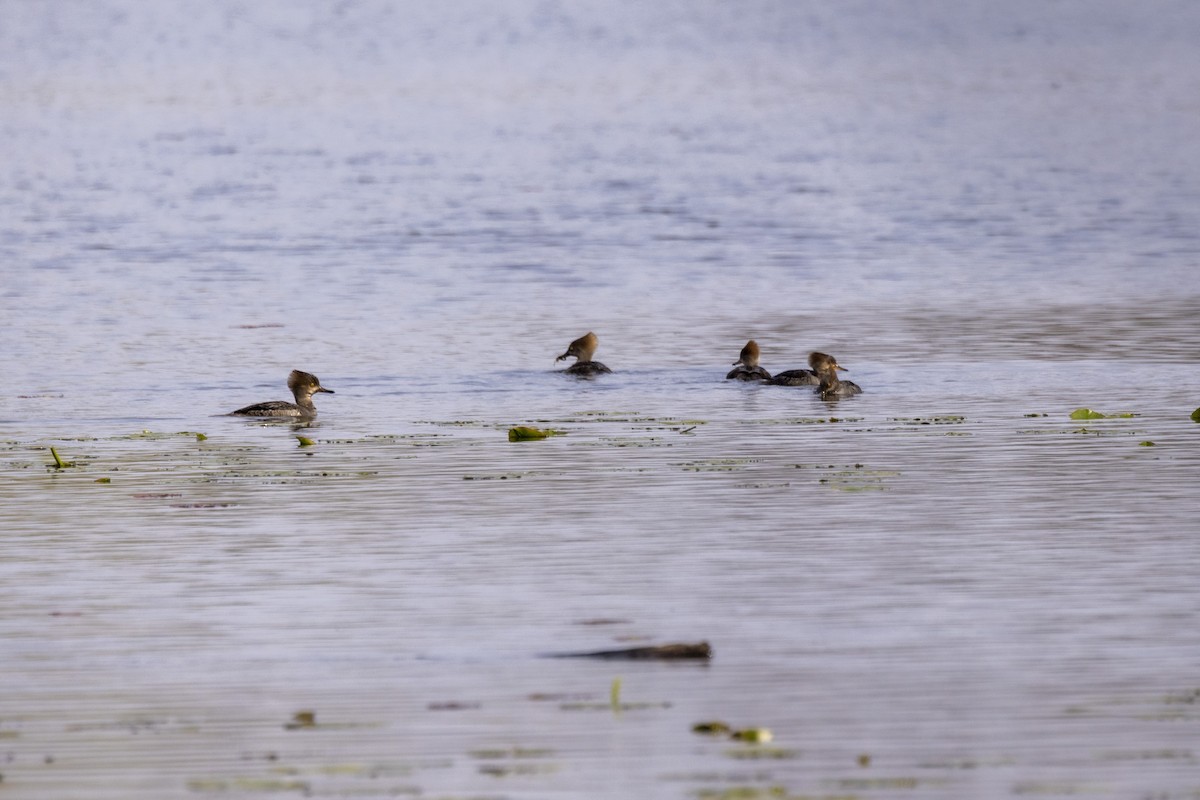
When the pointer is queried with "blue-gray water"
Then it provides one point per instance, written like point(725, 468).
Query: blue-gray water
point(990, 213)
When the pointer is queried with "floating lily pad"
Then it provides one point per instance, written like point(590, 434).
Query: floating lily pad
point(1196, 415)
point(712, 728)
point(305, 441)
point(1087, 413)
point(756, 735)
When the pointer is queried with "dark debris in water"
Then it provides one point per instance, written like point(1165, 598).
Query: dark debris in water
point(662, 652)
point(454, 705)
point(512, 752)
point(716, 464)
point(502, 476)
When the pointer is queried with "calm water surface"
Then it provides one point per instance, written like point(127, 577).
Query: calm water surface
point(943, 588)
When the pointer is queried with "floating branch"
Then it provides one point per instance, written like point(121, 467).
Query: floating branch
point(664, 652)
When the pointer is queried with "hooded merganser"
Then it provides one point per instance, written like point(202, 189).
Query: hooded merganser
point(796, 377)
point(831, 387)
point(303, 385)
point(746, 367)
point(583, 349)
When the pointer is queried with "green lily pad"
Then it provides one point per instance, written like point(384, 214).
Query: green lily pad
point(522, 433)
point(1196, 415)
point(1087, 413)
point(757, 735)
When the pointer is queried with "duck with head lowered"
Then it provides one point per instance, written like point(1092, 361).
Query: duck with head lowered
point(826, 368)
point(583, 349)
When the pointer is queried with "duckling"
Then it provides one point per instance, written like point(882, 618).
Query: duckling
point(303, 385)
point(747, 368)
point(831, 387)
point(583, 349)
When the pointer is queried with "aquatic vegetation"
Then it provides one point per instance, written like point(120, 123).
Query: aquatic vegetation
point(647, 441)
point(503, 770)
point(248, 784)
point(1188, 697)
point(756, 753)
point(1150, 755)
point(745, 793)
point(1102, 432)
point(305, 441)
point(867, 784)
point(1060, 788)
point(801, 421)
point(522, 433)
point(614, 695)
point(851, 477)
point(504, 476)
point(58, 462)
point(946, 419)
point(1087, 413)
point(756, 735)
point(638, 706)
point(712, 728)
point(1196, 415)
point(512, 752)
point(1146, 444)
point(716, 464)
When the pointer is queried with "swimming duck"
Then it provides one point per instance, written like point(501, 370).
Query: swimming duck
point(303, 385)
point(796, 377)
point(831, 387)
point(746, 367)
point(583, 349)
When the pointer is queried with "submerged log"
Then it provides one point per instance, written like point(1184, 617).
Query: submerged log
point(662, 652)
